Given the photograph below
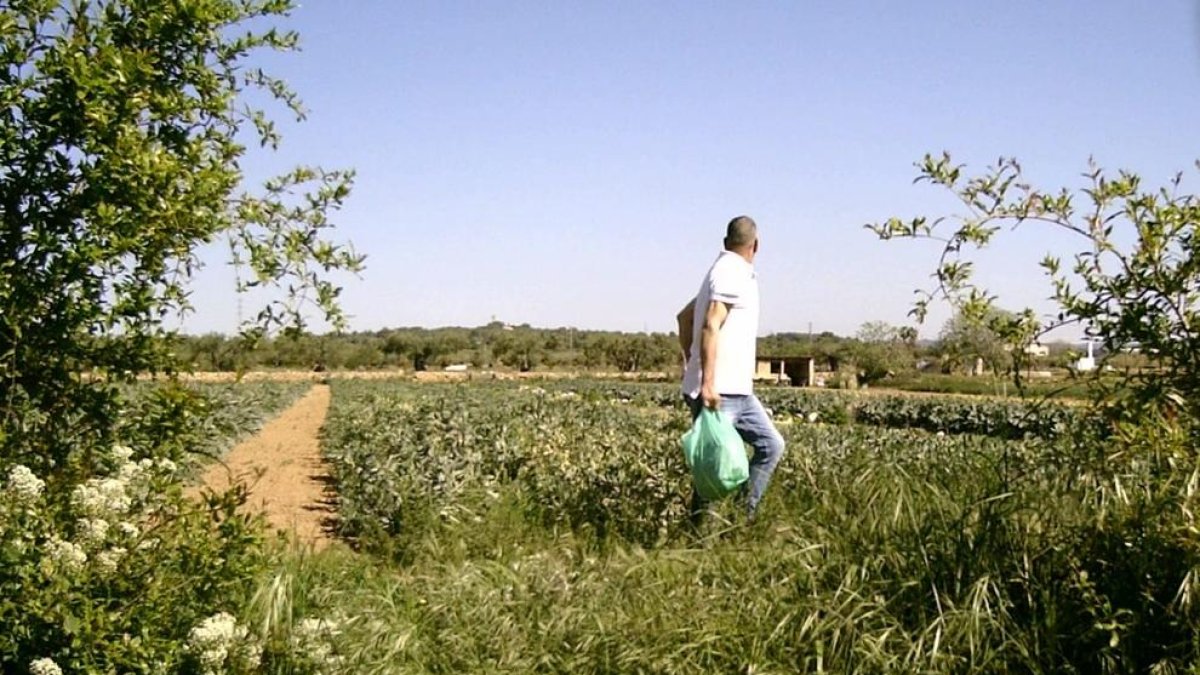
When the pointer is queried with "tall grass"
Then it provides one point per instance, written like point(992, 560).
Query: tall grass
point(878, 551)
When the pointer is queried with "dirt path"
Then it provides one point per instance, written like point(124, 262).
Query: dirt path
point(282, 465)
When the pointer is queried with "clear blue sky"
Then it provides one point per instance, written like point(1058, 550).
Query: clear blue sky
point(573, 164)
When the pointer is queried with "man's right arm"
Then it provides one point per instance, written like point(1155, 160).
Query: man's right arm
point(714, 317)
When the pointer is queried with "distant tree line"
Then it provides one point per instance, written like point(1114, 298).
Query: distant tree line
point(877, 351)
point(494, 346)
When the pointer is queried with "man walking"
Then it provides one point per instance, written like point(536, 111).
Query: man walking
point(718, 331)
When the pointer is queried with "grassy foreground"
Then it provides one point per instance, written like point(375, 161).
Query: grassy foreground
point(879, 550)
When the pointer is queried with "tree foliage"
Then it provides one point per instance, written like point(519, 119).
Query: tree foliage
point(1134, 282)
point(963, 340)
point(122, 128)
point(491, 347)
point(882, 350)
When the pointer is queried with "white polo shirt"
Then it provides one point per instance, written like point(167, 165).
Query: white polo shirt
point(730, 280)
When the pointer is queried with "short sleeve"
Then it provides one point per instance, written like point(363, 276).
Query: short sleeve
point(727, 285)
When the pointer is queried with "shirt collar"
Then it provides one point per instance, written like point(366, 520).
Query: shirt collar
point(739, 258)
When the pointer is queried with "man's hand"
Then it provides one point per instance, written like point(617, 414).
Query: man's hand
point(710, 397)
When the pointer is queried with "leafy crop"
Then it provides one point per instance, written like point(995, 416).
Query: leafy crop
point(538, 530)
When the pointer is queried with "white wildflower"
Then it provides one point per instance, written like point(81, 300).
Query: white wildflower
point(65, 554)
point(128, 530)
point(86, 498)
point(122, 453)
point(109, 561)
point(218, 639)
point(44, 667)
point(23, 484)
point(128, 471)
point(812, 417)
point(131, 472)
point(101, 497)
point(211, 639)
point(148, 544)
point(91, 531)
point(167, 466)
point(137, 482)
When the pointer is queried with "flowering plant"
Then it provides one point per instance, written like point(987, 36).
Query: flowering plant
point(119, 569)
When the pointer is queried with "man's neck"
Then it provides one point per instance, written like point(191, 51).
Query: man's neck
point(745, 254)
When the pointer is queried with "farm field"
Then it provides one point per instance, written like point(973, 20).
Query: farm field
point(516, 528)
point(252, 420)
point(509, 526)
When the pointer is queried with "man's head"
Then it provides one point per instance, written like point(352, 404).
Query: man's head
point(741, 237)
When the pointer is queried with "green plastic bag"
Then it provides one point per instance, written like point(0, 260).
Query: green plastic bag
point(715, 454)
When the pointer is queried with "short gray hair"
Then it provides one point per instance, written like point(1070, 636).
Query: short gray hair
point(741, 232)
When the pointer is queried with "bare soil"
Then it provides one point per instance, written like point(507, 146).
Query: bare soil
point(287, 478)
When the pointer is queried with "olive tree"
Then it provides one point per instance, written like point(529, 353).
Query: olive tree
point(123, 125)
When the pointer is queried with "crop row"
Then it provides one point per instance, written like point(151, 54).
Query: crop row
point(878, 550)
point(405, 457)
point(201, 420)
point(1007, 418)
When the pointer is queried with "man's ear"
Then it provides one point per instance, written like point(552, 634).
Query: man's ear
point(756, 244)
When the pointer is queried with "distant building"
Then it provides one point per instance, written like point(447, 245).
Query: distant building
point(1036, 349)
point(798, 371)
point(1086, 363)
point(456, 368)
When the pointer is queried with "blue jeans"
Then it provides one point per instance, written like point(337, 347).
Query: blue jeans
point(755, 427)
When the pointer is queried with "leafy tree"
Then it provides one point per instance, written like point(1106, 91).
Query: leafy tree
point(597, 350)
point(963, 340)
point(526, 352)
point(633, 352)
point(881, 351)
point(298, 350)
point(122, 128)
point(211, 351)
point(878, 332)
point(123, 124)
point(400, 346)
point(1134, 282)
